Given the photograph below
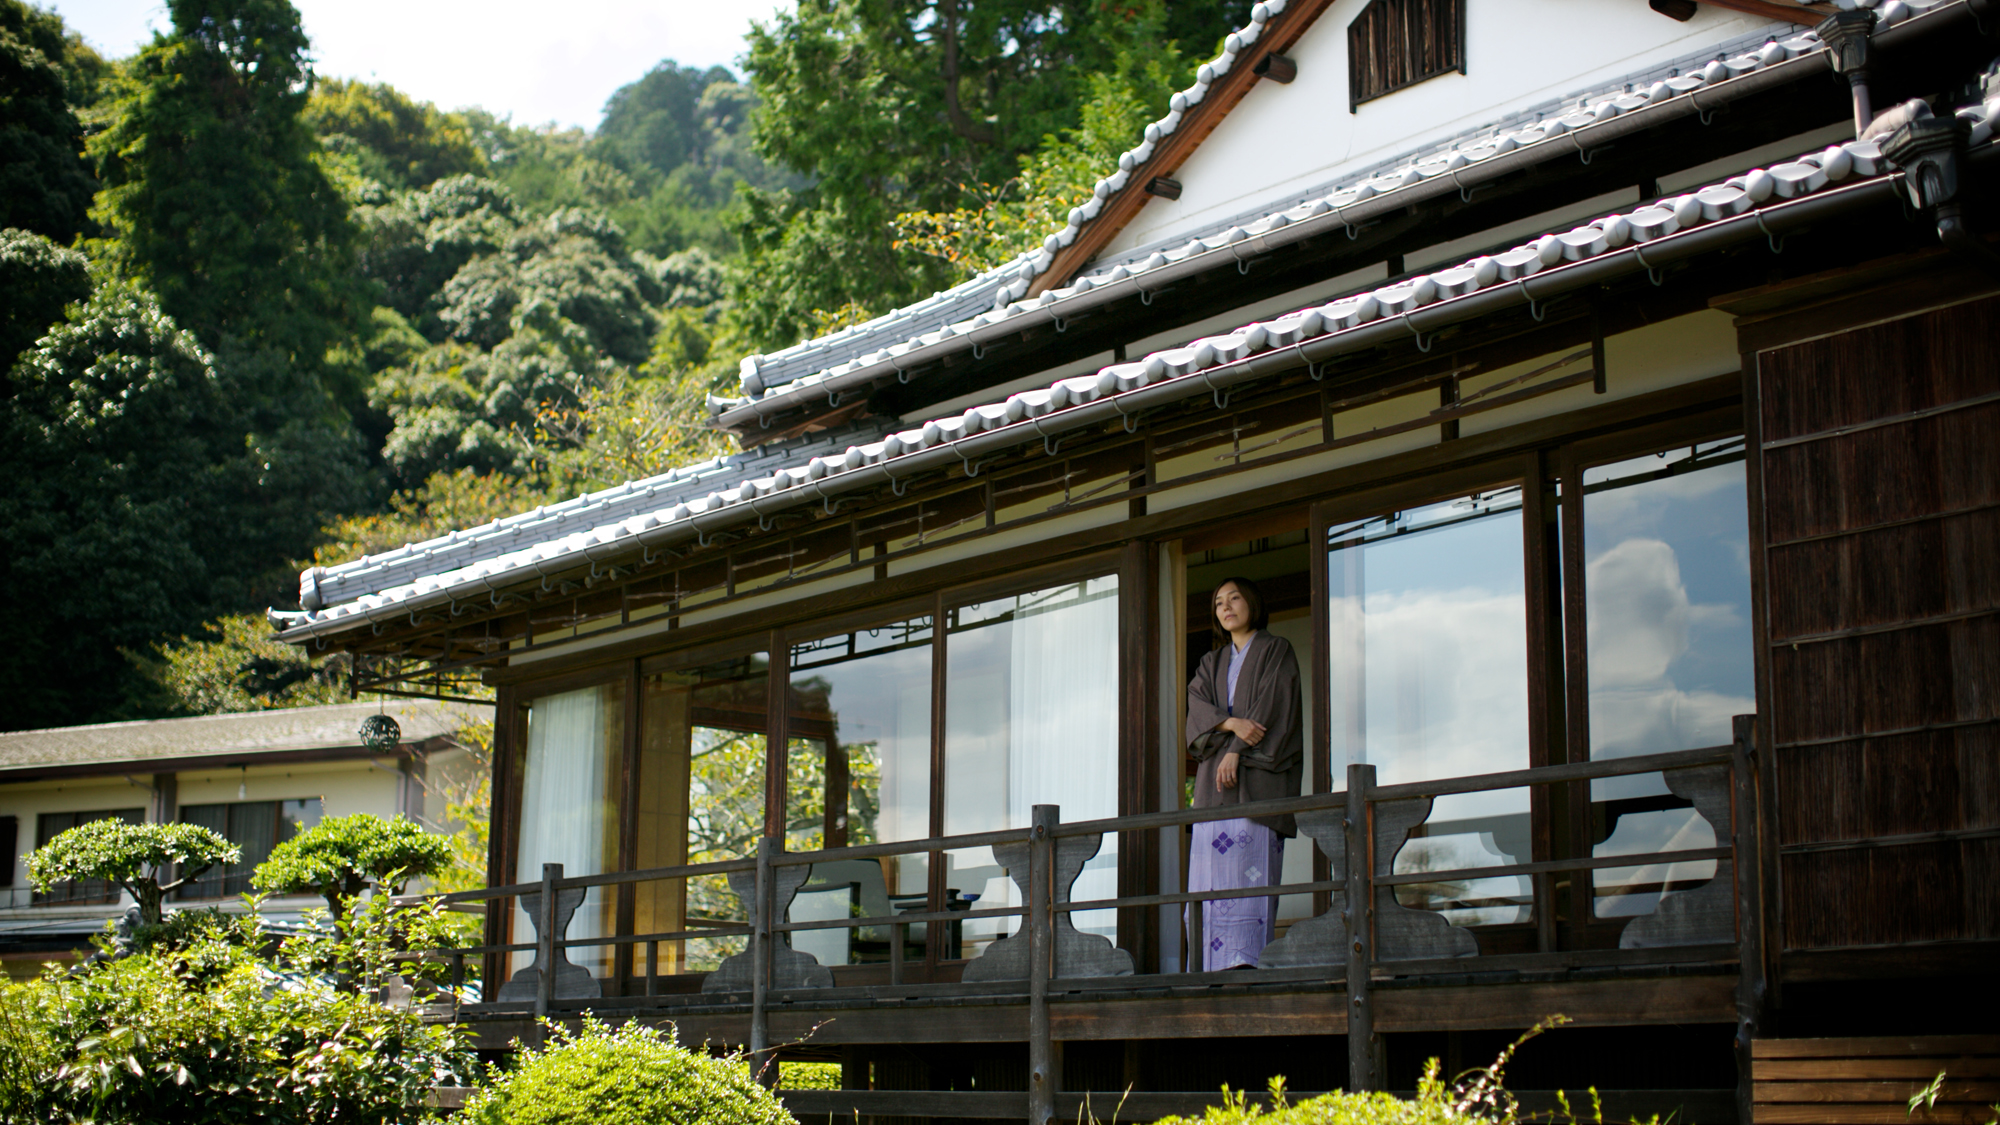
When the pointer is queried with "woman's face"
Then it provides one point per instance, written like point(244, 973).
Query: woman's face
point(1232, 609)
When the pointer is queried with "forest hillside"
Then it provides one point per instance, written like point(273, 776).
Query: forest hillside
point(252, 317)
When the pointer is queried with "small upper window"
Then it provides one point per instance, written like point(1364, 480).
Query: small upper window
point(1398, 43)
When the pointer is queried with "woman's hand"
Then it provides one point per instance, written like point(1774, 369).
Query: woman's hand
point(1225, 772)
point(1250, 732)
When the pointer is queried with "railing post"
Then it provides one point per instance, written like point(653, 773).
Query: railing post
point(1357, 828)
point(760, 958)
point(545, 948)
point(1041, 957)
point(1750, 983)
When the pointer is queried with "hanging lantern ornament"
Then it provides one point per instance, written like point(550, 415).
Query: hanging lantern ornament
point(380, 733)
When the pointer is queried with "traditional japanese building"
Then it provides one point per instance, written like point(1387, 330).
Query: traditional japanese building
point(1604, 398)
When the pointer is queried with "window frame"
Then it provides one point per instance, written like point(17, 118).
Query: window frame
point(1378, 9)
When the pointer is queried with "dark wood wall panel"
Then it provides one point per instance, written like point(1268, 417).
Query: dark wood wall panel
point(1864, 685)
point(1880, 371)
point(1882, 581)
point(1890, 786)
point(1875, 896)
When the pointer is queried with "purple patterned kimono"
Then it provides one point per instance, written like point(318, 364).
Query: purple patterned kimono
point(1228, 854)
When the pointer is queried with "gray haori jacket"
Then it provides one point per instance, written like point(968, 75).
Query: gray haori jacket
point(1267, 692)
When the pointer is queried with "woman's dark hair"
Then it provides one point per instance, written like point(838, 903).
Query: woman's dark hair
point(1251, 595)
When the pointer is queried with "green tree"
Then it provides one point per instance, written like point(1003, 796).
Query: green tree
point(342, 856)
point(136, 857)
point(894, 106)
point(38, 280)
point(45, 73)
point(402, 142)
point(215, 193)
point(234, 664)
point(147, 493)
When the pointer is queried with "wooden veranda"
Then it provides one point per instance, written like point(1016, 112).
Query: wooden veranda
point(1334, 982)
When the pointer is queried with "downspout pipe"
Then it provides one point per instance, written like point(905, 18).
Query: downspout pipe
point(1847, 35)
point(1769, 222)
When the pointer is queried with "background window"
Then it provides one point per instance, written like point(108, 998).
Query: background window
point(1031, 717)
point(1667, 588)
point(254, 826)
point(859, 767)
point(1427, 615)
point(50, 825)
point(1398, 43)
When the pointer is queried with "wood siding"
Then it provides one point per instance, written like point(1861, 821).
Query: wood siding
point(1881, 525)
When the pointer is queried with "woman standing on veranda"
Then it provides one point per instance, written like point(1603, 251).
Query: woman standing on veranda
point(1243, 726)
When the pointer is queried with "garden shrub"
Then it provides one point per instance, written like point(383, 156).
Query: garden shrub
point(209, 1032)
point(632, 1076)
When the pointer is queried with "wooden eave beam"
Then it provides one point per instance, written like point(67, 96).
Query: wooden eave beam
point(1197, 123)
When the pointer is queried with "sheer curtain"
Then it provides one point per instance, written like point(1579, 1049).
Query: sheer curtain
point(563, 808)
point(1062, 740)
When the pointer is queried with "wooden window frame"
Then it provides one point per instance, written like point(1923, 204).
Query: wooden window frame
point(1384, 13)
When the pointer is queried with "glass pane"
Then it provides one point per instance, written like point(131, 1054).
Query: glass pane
point(569, 807)
point(298, 816)
point(253, 826)
point(215, 818)
point(1667, 586)
point(1031, 718)
point(1427, 614)
point(700, 799)
point(866, 695)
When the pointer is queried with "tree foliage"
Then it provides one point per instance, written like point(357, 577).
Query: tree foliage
point(203, 1029)
point(38, 280)
point(635, 1075)
point(894, 106)
point(214, 190)
point(393, 138)
point(45, 186)
point(146, 487)
point(342, 856)
point(136, 857)
point(234, 664)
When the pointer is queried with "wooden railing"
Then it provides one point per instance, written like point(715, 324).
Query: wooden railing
point(1347, 817)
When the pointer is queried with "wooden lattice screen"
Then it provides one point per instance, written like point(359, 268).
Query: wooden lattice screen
point(1398, 43)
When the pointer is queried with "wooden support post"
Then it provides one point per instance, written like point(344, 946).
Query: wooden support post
point(760, 961)
point(1750, 983)
point(899, 932)
point(1360, 860)
point(1041, 958)
point(652, 968)
point(545, 948)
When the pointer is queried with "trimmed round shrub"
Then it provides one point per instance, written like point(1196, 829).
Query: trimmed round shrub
point(632, 1076)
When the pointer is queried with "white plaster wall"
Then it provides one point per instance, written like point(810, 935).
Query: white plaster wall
point(1284, 138)
point(342, 787)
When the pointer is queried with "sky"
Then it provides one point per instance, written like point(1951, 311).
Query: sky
point(535, 62)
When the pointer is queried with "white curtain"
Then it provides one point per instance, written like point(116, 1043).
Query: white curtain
point(1062, 742)
point(563, 807)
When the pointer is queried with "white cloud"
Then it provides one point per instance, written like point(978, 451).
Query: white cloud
point(1639, 619)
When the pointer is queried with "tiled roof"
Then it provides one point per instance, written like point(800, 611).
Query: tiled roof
point(926, 331)
point(233, 735)
point(1761, 203)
